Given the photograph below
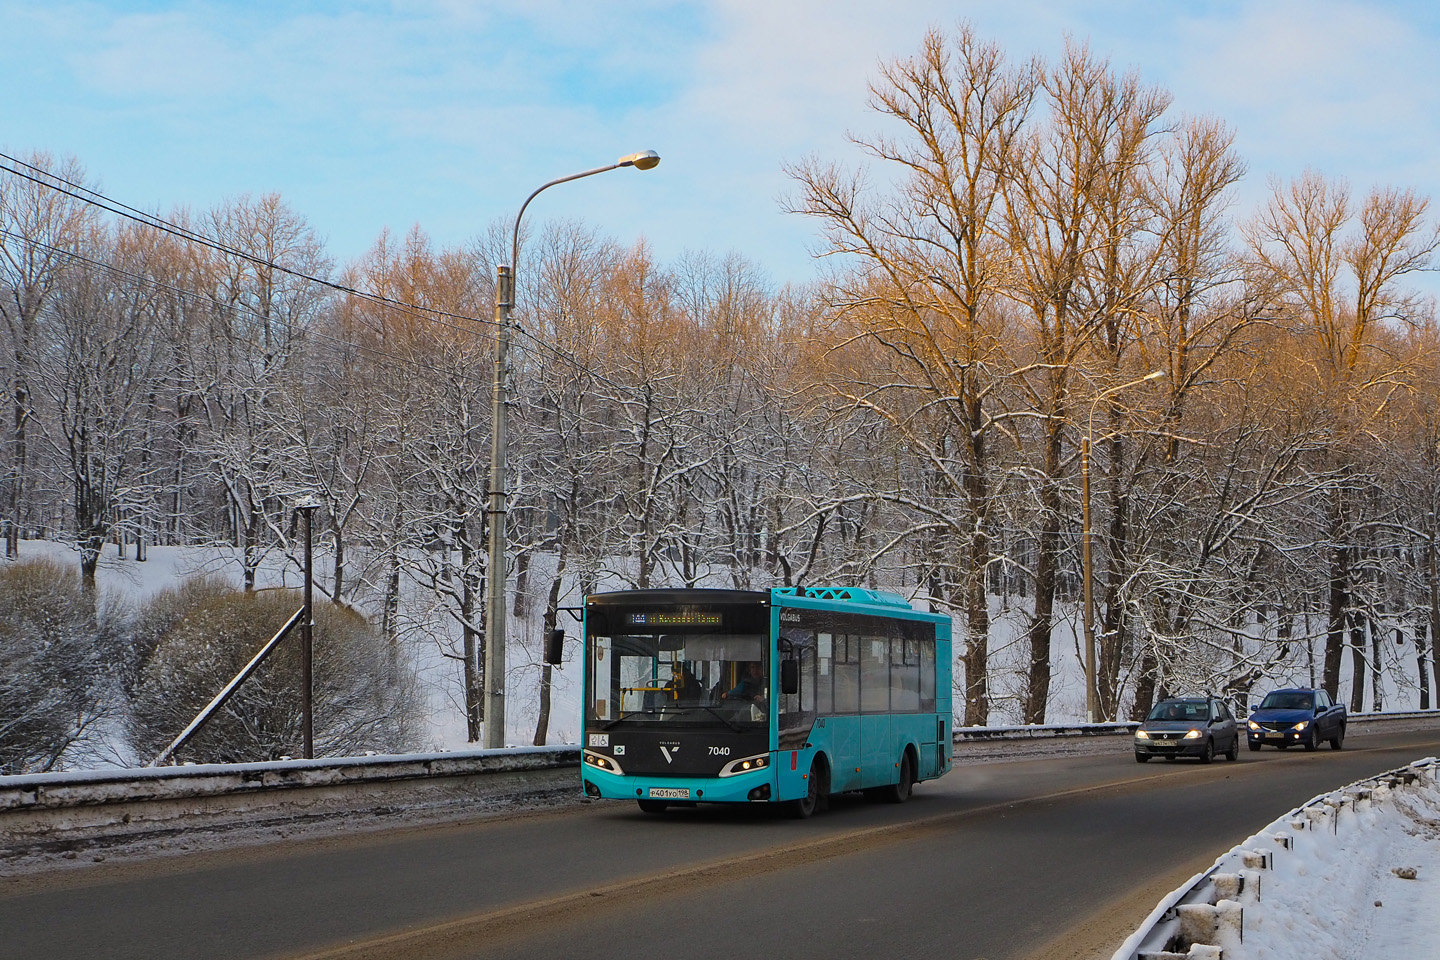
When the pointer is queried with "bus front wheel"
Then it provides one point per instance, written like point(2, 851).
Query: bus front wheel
point(815, 790)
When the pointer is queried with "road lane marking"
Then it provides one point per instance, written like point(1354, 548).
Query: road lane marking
point(448, 937)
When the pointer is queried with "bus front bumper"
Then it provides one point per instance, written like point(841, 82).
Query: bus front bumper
point(750, 787)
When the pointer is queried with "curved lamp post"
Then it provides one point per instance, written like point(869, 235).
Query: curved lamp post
point(1092, 693)
point(495, 595)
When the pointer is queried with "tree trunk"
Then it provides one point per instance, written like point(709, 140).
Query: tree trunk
point(552, 616)
point(338, 586)
point(1145, 675)
point(16, 505)
point(1357, 664)
point(1377, 694)
point(1422, 668)
point(1047, 563)
point(1339, 600)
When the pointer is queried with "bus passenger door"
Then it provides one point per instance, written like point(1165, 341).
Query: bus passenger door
point(845, 753)
point(880, 752)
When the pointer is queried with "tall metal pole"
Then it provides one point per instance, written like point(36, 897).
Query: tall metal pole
point(1090, 692)
point(495, 633)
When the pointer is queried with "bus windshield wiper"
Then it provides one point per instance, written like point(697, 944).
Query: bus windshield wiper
point(721, 717)
point(706, 707)
point(623, 716)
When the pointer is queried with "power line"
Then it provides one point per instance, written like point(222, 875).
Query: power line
point(195, 295)
point(92, 197)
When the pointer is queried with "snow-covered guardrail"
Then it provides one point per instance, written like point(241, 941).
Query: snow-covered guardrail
point(69, 808)
point(1044, 731)
point(1314, 882)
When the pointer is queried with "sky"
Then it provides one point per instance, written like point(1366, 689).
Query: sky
point(445, 114)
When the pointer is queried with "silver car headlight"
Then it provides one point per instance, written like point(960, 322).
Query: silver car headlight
point(1191, 735)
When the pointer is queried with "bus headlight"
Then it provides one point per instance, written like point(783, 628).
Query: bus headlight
point(601, 762)
point(745, 765)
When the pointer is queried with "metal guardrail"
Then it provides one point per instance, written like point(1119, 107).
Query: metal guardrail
point(91, 787)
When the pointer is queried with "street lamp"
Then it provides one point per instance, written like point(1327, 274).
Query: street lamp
point(495, 595)
point(1092, 697)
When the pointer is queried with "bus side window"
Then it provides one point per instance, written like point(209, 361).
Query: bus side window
point(847, 674)
point(824, 680)
point(927, 675)
point(875, 674)
point(904, 676)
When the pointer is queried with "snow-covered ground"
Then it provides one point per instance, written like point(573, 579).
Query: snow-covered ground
point(1353, 874)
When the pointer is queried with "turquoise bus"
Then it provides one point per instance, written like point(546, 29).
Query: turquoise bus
point(780, 696)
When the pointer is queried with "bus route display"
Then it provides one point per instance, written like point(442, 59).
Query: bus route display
point(674, 619)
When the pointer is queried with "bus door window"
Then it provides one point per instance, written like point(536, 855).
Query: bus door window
point(600, 678)
point(797, 710)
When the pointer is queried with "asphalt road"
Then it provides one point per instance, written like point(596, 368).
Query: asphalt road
point(1053, 857)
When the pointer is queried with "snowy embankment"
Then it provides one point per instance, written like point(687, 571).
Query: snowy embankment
point(1352, 873)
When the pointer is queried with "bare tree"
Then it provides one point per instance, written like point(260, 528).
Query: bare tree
point(916, 311)
point(39, 228)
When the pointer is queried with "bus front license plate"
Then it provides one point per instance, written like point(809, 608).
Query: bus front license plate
point(669, 793)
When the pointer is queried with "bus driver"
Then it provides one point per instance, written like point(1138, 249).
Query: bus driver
point(751, 686)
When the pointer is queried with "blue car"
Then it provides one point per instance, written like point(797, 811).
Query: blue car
point(1302, 716)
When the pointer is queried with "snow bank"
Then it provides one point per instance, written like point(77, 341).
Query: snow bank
point(1353, 873)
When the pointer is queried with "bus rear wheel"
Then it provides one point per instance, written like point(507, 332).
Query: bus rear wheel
point(901, 790)
point(652, 806)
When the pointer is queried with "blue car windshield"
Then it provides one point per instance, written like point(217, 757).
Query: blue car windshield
point(1288, 701)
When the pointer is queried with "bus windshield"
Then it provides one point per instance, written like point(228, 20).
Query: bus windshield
point(693, 678)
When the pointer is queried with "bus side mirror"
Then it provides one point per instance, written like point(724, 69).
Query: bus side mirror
point(554, 646)
point(790, 676)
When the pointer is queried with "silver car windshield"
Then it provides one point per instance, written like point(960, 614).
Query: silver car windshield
point(1180, 710)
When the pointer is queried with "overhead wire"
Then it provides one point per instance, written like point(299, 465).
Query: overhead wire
point(94, 198)
point(197, 296)
point(87, 195)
